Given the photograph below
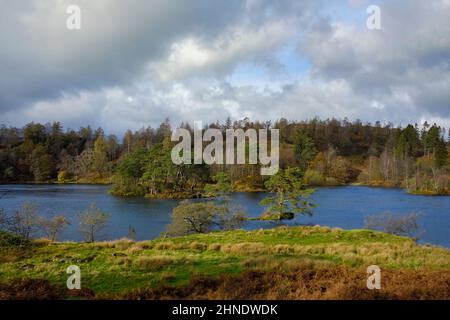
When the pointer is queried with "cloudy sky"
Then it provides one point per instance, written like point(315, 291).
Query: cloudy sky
point(133, 63)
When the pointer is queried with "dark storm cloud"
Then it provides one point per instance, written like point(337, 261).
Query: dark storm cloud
point(40, 57)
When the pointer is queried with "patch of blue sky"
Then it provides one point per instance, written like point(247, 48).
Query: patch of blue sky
point(291, 66)
point(249, 74)
point(350, 11)
point(293, 62)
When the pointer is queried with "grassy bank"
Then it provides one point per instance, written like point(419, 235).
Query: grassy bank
point(293, 263)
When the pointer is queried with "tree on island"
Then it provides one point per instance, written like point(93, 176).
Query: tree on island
point(222, 184)
point(289, 196)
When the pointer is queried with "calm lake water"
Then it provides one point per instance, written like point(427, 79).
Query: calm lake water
point(345, 207)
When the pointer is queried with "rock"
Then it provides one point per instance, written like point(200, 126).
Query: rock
point(87, 259)
point(119, 254)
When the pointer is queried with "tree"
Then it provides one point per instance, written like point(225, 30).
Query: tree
point(83, 163)
point(289, 195)
point(35, 133)
point(222, 184)
point(432, 139)
point(93, 222)
point(340, 170)
point(55, 140)
point(52, 227)
point(100, 159)
point(407, 142)
point(128, 140)
point(24, 221)
point(126, 179)
point(202, 217)
point(42, 164)
point(441, 156)
point(304, 148)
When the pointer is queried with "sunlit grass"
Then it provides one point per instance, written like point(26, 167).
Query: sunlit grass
point(124, 265)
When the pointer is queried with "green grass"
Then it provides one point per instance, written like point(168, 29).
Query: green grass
point(123, 265)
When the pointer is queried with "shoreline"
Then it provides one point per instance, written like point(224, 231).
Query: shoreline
point(204, 196)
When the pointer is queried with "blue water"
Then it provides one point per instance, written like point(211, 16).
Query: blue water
point(344, 207)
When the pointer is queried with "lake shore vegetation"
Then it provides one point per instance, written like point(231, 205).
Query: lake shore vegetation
point(330, 152)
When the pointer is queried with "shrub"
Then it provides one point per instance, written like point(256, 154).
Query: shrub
point(30, 289)
point(400, 225)
point(64, 176)
point(9, 239)
point(314, 178)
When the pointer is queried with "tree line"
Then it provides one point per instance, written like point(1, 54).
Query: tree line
point(329, 152)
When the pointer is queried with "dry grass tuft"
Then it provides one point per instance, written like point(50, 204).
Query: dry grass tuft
point(165, 245)
point(244, 248)
point(215, 247)
point(121, 244)
point(153, 263)
point(195, 245)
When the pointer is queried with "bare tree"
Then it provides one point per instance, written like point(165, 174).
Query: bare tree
point(52, 227)
point(400, 225)
point(93, 222)
point(24, 221)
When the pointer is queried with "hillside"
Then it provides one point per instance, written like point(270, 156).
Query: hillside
point(280, 263)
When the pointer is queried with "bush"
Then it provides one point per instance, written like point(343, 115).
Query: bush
point(400, 225)
point(64, 176)
point(314, 178)
point(9, 239)
point(330, 181)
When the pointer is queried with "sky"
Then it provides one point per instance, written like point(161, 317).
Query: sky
point(134, 63)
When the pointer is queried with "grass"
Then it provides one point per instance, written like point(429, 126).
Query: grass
point(125, 268)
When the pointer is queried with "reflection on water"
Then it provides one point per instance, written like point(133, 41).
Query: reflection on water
point(344, 207)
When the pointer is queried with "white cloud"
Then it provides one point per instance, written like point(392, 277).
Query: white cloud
point(193, 57)
point(135, 63)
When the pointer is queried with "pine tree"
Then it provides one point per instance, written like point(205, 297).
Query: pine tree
point(305, 149)
point(441, 154)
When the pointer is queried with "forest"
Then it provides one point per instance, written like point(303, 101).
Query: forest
point(328, 152)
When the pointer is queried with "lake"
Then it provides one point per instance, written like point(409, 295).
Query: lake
point(344, 207)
